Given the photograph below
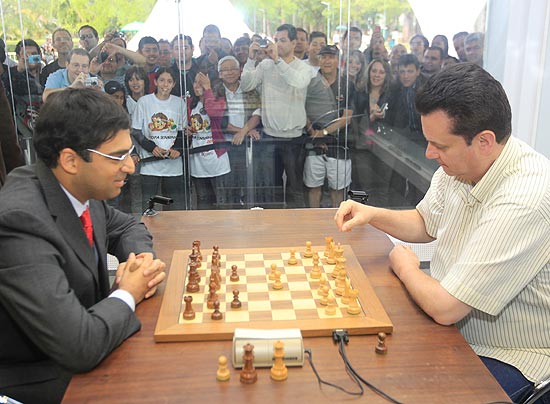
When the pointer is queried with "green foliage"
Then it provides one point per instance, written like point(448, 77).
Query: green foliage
point(40, 17)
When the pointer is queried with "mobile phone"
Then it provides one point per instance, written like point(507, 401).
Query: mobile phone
point(263, 43)
point(34, 59)
point(102, 57)
point(384, 107)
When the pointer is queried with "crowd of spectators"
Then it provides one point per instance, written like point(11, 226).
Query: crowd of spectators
point(312, 109)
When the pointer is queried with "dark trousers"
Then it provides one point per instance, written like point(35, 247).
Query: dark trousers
point(275, 156)
point(206, 190)
point(511, 380)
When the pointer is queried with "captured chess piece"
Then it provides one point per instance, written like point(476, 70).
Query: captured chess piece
point(236, 303)
point(217, 314)
point(188, 313)
point(248, 374)
point(279, 372)
point(222, 375)
point(381, 348)
point(292, 260)
point(234, 275)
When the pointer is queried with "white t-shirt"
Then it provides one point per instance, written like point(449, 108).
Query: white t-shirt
point(205, 164)
point(131, 105)
point(159, 121)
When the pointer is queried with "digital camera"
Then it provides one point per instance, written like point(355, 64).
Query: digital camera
point(34, 59)
point(263, 43)
point(91, 82)
point(102, 57)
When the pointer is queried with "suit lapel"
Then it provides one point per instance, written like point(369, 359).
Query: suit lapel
point(67, 221)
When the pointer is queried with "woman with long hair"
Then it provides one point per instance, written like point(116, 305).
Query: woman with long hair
point(369, 173)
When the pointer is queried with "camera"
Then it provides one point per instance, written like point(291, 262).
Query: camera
point(102, 57)
point(35, 59)
point(263, 43)
point(91, 82)
point(163, 200)
point(358, 196)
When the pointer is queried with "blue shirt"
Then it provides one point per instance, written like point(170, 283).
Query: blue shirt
point(58, 79)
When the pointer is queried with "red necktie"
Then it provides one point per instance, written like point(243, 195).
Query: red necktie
point(87, 224)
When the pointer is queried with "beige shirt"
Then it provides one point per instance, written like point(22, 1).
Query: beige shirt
point(494, 255)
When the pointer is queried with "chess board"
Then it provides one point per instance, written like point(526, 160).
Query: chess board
point(296, 305)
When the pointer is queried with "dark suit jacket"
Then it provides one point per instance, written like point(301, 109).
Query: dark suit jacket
point(55, 317)
point(10, 152)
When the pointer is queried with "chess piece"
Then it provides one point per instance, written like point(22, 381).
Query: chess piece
point(330, 310)
point(272, 273)
point(277, 285)
point(328, 241)
point(197, 246)
point(188, 313)
point(292, 260)
point(381, 348)
point(308, 253)
point(322, 284)
point(331, 260)
point(217, 314)
point(248, 374)
point(212, 295)
point(341, 281)
point(316, 270)
point(234, 275)
point(236, 303)
point(279, 372)
point(193, 277)
point(222, 375)
point(345, 296)
point(324, 295)
point(353, 307)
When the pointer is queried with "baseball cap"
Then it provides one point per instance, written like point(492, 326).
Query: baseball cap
point(329, 50)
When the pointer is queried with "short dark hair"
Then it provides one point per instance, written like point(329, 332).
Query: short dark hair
point(181, 37)
point(317, 34)
point(212, 29)
point(61, 30)
point(27, 42)
point(78, 119)
point(166, 70)
point(94, 31)
point(422, 38)
point(140, 73)
point(408, 59)
point(472, 98)
point(78, 51)
point(437, 49)
point(289, 28)
point(147, 40)
point(351, 29)
point(243, 40)
point(164, 41)
point(459, 34)
point(304, 31)
point(445, 41)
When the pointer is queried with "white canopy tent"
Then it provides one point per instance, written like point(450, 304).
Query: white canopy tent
point(171, 17)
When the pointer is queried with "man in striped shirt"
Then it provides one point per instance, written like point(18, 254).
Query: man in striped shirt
point(489, 207)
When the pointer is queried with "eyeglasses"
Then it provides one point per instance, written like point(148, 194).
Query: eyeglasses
point(117, 158)
point(86, 36)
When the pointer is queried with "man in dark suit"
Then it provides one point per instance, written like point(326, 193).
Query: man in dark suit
point(57, 314)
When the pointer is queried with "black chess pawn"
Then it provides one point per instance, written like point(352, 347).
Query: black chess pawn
point(236, 303)
point(381, 348)
point(217, 314)
point(234, 275)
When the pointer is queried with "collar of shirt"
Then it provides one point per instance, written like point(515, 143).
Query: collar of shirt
point(497, 171)
point(79, 208)
point(232, 94)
